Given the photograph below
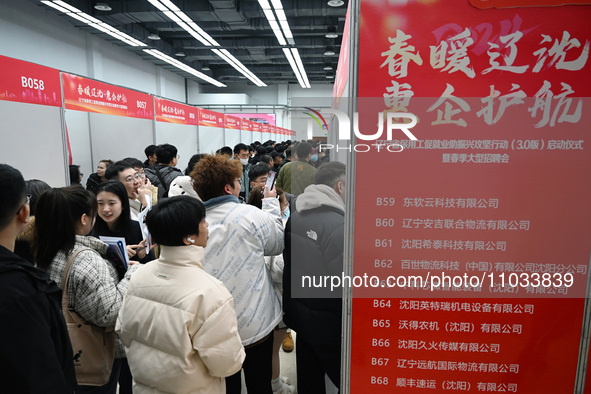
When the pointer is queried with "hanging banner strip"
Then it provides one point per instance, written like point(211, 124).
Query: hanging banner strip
point(88, 95)
point(31, 83)
point(209, 118)
point(232, 122)
point(247, 125)
point(173, 112)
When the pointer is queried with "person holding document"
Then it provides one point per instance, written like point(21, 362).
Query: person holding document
point(96, 283)
point(114, 221)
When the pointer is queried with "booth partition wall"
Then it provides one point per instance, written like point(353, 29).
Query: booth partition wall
point(62, 118)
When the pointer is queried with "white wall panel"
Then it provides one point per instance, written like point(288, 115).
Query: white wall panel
point(78, 126)
point(32, 141)
point(183, 137)
point(210, 139)
point(245, 137)
point(118, 137)
point(232, 138)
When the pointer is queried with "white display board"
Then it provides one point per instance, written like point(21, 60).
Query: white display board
point(183, 137)
point(78, 127)
point(210, 139)
point(257, 136)
point(118, 137)
point(232, 137)
point(32, 141)
point(246, 137)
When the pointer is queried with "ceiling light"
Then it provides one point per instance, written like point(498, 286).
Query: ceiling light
point(180, 53)
point(102, 7)
point(335, 3)
point(328, 67)
point(75, 13)
point(332, 32)
point(183, 66)
point(328, 52)
point(156, 37)
point(205, 68)
point(329, 76)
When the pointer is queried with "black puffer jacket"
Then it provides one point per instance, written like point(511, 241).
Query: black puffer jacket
point(35, 351)
point(167, 173)
point(314, 240)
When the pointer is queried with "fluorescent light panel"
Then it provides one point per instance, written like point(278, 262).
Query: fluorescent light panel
point(298, 60)
point(183, 20)
point(228, 57)
point(183, 67)
point(284, 36)
point(294, 66)
point(83, 17)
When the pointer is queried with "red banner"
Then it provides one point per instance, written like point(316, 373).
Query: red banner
point(26, 82)
point(342, 71)
point(210, 118)
point(523, 3)
point(265, 128)
point(173, 112)
point(481, 246)
point(257, 127)
point(82, 94)
point(246, 125)
point(232, 122)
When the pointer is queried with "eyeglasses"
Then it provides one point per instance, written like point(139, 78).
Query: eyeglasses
point(27, 202)
point(178, 157)
point(133, 177)
point(239, 180)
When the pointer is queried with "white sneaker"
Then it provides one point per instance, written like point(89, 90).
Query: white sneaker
point(285, 389)
point(285, 380)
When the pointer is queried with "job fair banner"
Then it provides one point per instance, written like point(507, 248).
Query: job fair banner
point(232, 122)
point(209, 118)
point(31, 83)
point(472, 215)
point(173, 112)
point(83, 94)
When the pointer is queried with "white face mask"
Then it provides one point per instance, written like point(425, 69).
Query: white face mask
point(244, 161)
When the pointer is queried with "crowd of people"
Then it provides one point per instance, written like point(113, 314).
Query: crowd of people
point(203, 290)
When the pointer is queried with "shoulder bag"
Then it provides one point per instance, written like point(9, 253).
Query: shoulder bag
point(94, 347)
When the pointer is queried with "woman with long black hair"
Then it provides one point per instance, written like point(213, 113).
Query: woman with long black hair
point(96, 284)
point(114, 220)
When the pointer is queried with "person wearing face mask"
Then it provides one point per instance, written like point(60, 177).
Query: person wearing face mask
point(241, 153)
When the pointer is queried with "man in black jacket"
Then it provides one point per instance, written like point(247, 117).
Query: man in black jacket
point(162, 174)
point(314, 241)
point(35, 350)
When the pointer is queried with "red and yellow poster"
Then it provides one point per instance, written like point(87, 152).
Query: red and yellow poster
point(246, 125)
point(257, 127)
point(26, 82)
point(479, 230)
point(83, 94)
point(232, 122)
point(173, 112)
point(209, 118)
point(265, 128)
